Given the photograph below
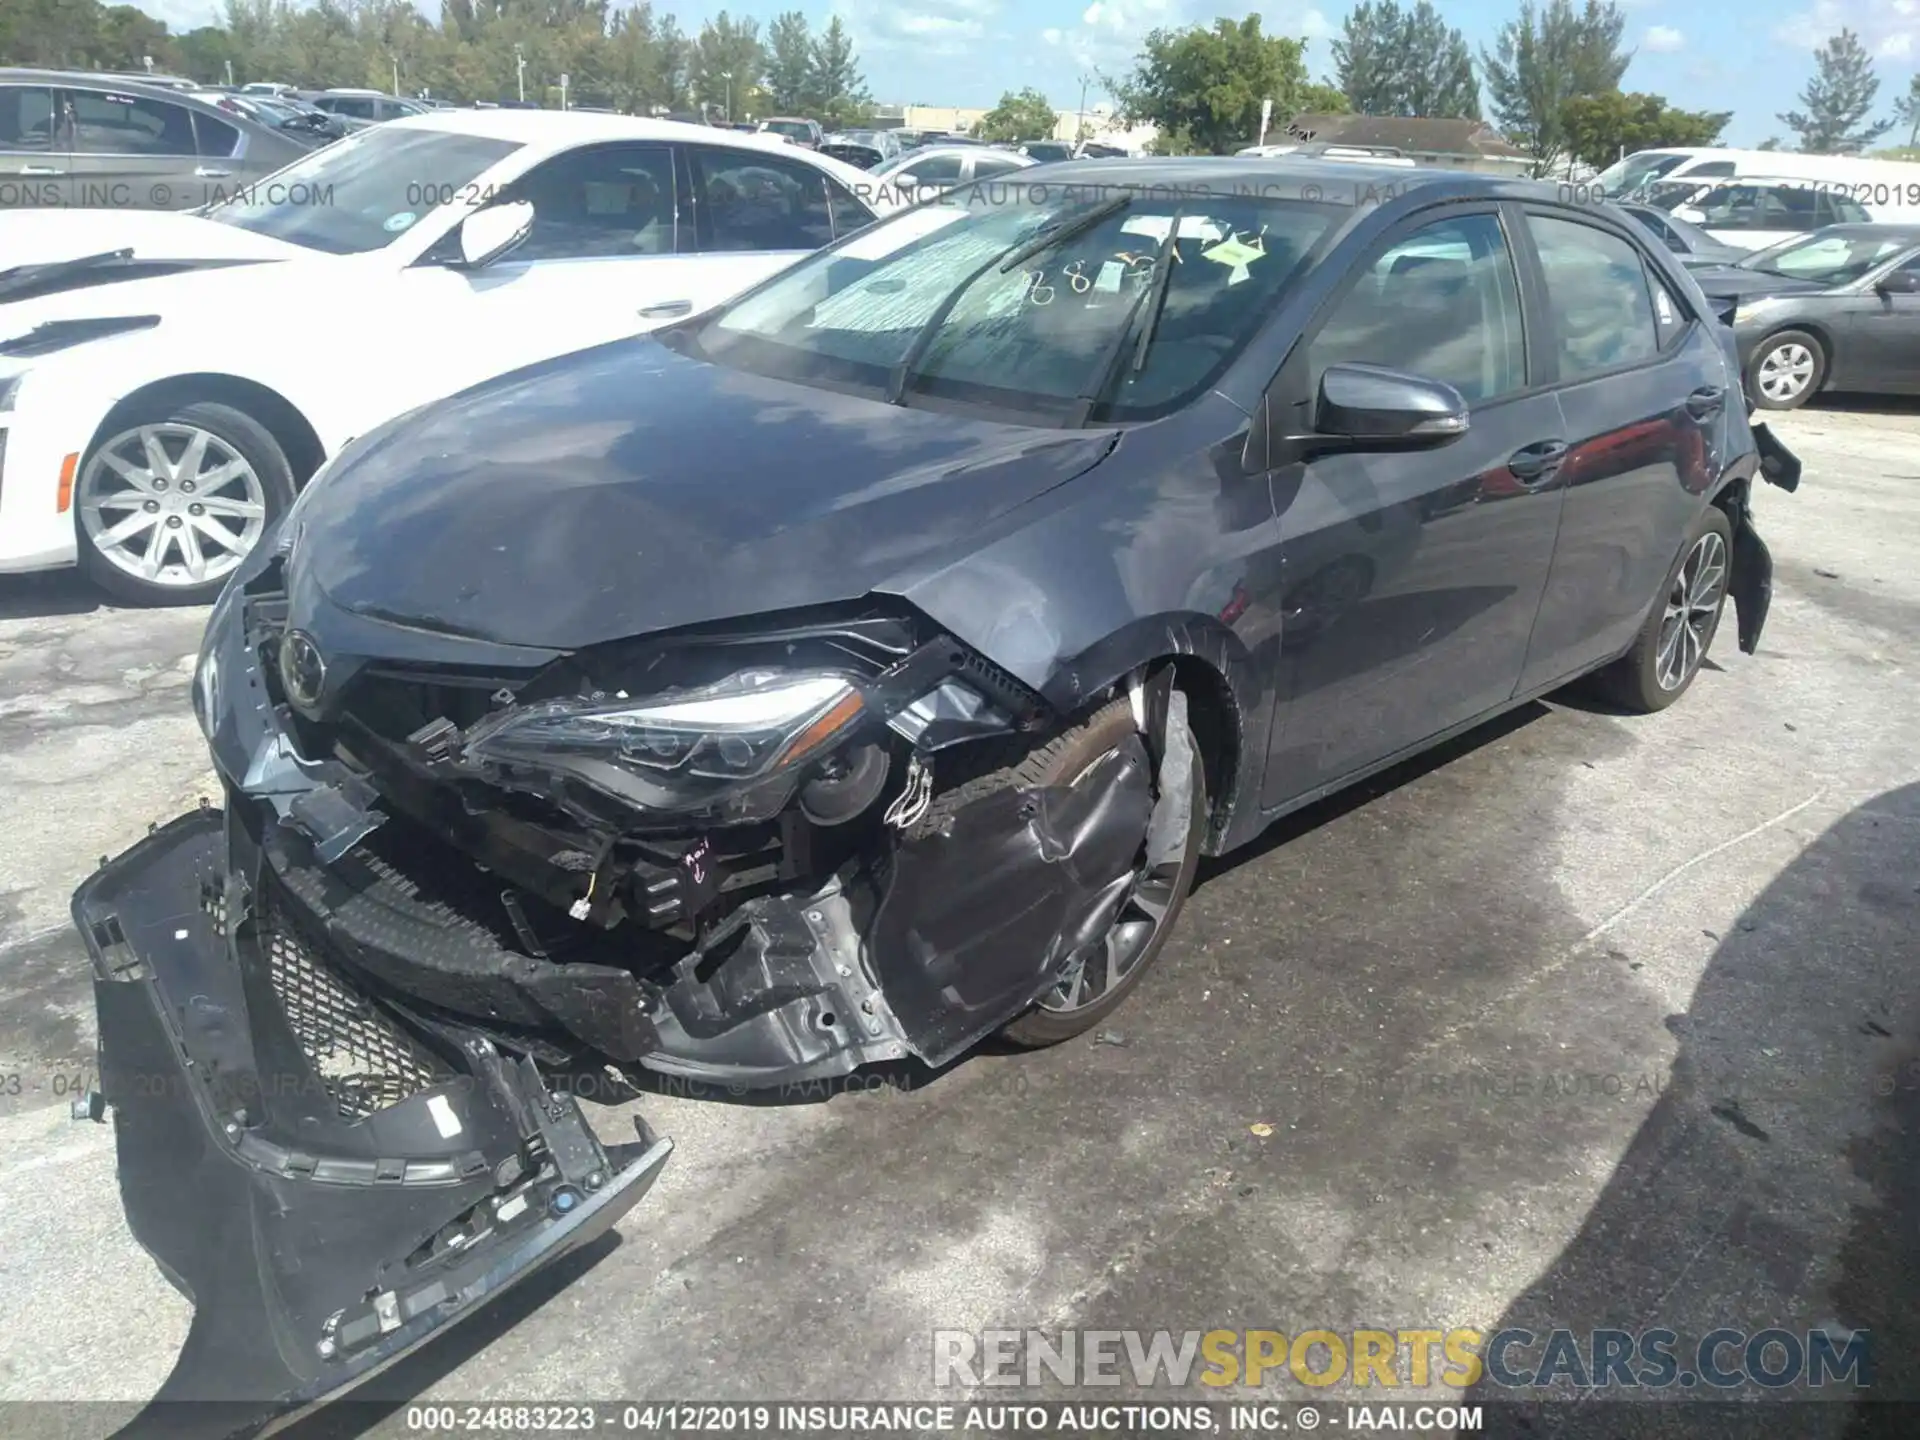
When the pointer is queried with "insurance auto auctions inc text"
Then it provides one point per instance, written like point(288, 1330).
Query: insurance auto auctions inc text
point(1518, 1360)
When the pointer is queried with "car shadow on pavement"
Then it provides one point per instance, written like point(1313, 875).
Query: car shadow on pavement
point(48, 593)
point(1776, 1181)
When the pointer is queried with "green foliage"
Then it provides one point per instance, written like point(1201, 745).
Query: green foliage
point(1838, 100)
point(1390, 61)
point(634, 57)
point(1545, 58)
point(1318, 99)
point(1906, 110)
point(1025, 116)
point(1202, 87)
point(1599, 129)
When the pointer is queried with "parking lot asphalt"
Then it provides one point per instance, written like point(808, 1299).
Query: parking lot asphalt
point(1587, 1020)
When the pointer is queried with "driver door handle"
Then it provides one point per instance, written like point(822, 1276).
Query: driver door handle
point(211, 172)
point(41, 170)
point(1534, 463)
point(666, 310)
point(1704, 401)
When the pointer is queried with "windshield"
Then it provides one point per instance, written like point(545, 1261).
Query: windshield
point(1635, 171)
point(1033, 341)
point(1827, 258)
point(359, 193)
point(792, 129)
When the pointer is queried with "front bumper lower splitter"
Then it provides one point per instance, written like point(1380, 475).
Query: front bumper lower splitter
point(320, 1232)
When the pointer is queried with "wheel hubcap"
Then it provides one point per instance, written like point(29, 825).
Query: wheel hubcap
point(1693, 605)
point(1786, 372)
point(173, 505)
point(1095, 971)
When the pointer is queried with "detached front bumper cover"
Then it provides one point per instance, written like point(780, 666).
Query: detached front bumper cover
point(329, 1190)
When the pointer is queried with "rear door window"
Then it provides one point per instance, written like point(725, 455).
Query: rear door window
point(214, 138)
point(754, 202)
point(934, 170)
point(1443, 302)
point(1599, 303)
point(108, 123)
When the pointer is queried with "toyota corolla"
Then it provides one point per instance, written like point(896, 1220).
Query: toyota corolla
point(859, 671)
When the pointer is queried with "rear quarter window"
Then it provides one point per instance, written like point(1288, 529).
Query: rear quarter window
point(1601, 304)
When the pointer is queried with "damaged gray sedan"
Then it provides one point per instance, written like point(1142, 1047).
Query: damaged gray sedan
point(854, 673)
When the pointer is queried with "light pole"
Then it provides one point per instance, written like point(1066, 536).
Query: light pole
point(396, 73)
point(727, 75)
point(520, 71)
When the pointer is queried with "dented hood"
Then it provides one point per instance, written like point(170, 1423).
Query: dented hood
point(628, 489)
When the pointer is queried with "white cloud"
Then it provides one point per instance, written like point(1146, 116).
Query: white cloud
point(1889, 29)
point(1662, 40)
point(184, 15)
point(927, 27)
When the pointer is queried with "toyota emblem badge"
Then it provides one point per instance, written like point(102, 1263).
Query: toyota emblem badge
point(303, 669)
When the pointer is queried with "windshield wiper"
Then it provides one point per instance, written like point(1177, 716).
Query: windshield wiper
point(1048, 237)
point(27, 277)
point(1153, 297)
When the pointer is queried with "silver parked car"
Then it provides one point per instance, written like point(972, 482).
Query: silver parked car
point(101, 142)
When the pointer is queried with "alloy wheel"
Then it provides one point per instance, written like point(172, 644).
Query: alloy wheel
point(1786, 372)
point(1693, 605)
point(171, 504)
point(1095, 971)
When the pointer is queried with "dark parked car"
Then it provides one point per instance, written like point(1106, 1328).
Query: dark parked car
point(1047, 152)
point(868, 149)
point(367, 105)
point(1692, 244)
point(97, 142)
point(854, 672)
point(1835, 310)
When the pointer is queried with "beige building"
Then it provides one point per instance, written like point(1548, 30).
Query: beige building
point(1096, 123)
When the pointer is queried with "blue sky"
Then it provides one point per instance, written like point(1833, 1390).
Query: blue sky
point(1752, 58)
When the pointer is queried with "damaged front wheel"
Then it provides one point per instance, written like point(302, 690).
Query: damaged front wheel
point(1098, 977)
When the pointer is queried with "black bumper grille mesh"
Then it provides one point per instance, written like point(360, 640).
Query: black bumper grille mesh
point(364, 1060)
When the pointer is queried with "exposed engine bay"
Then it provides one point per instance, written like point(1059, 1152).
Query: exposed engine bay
point(757, 855)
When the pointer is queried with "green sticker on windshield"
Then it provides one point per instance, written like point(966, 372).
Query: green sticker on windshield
point(1237, 254)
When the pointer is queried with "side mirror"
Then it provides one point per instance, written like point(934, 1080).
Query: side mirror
point(1373, 408)
point(1899, 282)
point(488, 234)
point(1692, 214)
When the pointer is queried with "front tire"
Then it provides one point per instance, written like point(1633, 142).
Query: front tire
point(1092, 986)
point(1786, 370)
point(1667, 654)
point(168, 504)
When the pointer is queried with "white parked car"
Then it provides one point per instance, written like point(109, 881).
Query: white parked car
point(167, 381)
point(1757, 213)
point(935, 169)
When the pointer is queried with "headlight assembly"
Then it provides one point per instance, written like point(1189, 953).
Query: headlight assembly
point(735, 748)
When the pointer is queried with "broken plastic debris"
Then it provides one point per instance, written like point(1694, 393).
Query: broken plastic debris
point(1110, 1037)
point(1261, 1128)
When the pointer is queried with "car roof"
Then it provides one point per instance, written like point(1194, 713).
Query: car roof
point(1905, 234)
point(98, 80)
point(1338, 182)
point(562, 129)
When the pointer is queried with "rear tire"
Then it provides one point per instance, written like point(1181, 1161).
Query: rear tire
point(177, 488)
point(1059, 762)
point(1786, 371)
point(1667, 653)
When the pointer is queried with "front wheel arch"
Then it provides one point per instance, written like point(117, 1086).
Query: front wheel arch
point(283, 420)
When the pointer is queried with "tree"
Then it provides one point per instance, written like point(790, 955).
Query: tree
point(1390, 61)
point(1319, 99)
point(727, 65)
point(835, 86)
point(1026, 116)
point(1772, 142)
point(1602, 128)
point(1202, 88)
point(1838, 99)
point(1906, 109)
point(789, 63)
point(1545, 58)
